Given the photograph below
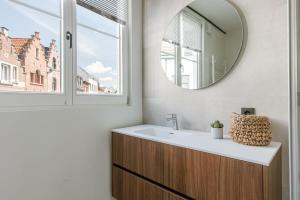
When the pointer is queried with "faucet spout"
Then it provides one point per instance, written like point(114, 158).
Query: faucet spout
point(173, 118)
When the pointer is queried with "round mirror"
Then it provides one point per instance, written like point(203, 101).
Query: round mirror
point(202, 43)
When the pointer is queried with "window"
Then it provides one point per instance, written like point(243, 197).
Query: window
point(53, 63)
point(37, 53)
point(54, 84)
point(87, 67)
point(15, 74)
point(37, 77)
point(31, 27)
point(181, 53)
point(5, 73)
point(32, 79)
point(100, 33)
point(0, 44)
point(79, 82)
point(168, 59)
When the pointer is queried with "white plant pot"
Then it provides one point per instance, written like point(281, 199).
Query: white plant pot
point(217, 133)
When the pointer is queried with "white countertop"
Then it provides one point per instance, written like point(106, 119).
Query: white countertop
point(202, 141)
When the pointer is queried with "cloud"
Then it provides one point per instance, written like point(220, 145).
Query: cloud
point(97, 68)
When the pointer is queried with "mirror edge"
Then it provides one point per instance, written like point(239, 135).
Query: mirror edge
point(241, 48)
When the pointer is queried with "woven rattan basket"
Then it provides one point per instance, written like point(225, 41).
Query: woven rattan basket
point(251, 129)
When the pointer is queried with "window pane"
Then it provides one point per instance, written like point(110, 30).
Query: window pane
point(50, 6)
point(96, 21)
point(15, 74)
point(98, 54)
point(168, 59)
point(189, 74)
point(30, 40)
point(190, 54)
point(190, 68)
point(191, 33)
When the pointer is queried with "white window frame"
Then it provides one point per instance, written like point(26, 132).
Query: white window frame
point(11, 74)
point(68, 96)
point(11, 100)
point(179, 49)
point(15, 72)
point(8, 75)
point(122, 98)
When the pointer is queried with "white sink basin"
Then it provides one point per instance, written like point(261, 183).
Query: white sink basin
point(162, 133)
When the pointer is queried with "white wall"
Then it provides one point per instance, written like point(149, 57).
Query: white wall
point(259, 80)
point(66, 154)
point(298, 45)
point(233, 43)
point(298, 90)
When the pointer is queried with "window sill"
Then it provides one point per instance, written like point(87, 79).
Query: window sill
point(37, 84)
point(6, 83)
point(58, 107)
point(99, 99)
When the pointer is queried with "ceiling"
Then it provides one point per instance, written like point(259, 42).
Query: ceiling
point(220, 12)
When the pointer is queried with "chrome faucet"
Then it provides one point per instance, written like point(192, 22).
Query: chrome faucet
point(173, 118)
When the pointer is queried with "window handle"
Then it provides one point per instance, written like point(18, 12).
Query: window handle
point(70, 38)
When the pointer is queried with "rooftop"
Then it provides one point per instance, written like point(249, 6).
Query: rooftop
point(19, 43)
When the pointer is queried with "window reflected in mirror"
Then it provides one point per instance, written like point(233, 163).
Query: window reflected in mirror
point(200, 45)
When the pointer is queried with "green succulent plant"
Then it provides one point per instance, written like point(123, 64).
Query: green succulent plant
point(217, 124)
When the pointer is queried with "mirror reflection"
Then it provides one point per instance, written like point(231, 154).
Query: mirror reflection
point(202, 43)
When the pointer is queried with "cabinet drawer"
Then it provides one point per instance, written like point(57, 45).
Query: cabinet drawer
point(193, 173)
point(127, 186)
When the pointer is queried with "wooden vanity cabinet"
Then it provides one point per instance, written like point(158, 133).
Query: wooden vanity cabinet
point(127, 186)
point(173, 172)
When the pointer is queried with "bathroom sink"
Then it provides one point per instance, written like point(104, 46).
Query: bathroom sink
point(162, 132)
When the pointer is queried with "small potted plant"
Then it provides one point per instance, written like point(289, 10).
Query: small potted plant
point(217, 130)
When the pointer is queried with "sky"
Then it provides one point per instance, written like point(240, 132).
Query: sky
point(96, 53)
